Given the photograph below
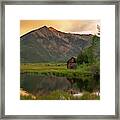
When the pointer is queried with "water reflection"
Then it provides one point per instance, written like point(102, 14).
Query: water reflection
point(39, 85)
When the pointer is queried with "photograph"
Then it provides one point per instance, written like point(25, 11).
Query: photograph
point(59, 60)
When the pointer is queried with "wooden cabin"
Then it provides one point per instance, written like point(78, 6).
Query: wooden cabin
point(71, 63)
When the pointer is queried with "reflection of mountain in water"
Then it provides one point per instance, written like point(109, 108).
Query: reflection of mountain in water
point(43, 85)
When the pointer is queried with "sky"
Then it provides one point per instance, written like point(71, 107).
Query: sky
point(69, 26)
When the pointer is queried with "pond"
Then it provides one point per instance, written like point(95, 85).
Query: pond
point(39, 85)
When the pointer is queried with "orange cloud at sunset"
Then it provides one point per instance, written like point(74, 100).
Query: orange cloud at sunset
point(73, 26)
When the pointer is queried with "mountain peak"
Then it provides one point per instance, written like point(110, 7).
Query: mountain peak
point(44, 27)
point(52, 29)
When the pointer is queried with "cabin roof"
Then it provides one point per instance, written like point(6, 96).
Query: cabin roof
point(71, 58)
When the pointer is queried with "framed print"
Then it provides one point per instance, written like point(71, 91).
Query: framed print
point(60, 60)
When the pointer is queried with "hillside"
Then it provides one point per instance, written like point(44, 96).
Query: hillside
point(47, 44)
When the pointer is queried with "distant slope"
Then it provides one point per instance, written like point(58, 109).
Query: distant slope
point(47, 44)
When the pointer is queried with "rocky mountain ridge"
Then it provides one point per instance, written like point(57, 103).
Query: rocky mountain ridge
point(47, 44)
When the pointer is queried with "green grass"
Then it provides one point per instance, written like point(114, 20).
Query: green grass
point(59, 69)
point(61, 95)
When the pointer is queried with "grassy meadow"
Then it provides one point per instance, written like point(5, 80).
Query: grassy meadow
point(55, 69)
